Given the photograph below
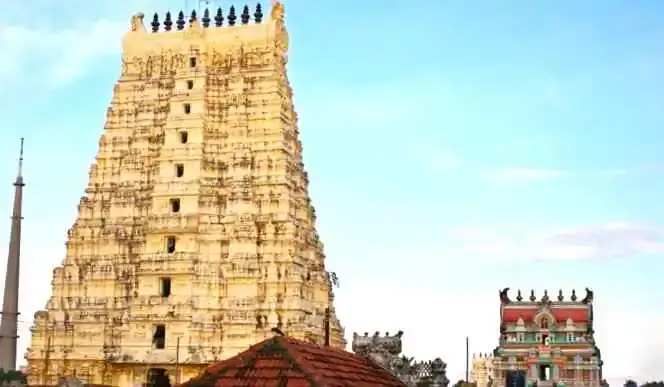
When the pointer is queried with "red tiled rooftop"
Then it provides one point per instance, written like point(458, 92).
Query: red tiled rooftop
point(578, 315)
point(285, 362)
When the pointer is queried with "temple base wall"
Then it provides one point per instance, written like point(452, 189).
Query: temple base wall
point(108, 374)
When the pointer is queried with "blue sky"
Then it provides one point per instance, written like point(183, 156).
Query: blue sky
point(454, 148)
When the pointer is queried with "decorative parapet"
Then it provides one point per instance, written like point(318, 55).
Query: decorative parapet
point(386, 352)
point(560, 298)
point(229, 28)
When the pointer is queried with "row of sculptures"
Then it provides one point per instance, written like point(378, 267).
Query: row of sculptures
point(504, 298)
point(231, 18)
point(386, 352)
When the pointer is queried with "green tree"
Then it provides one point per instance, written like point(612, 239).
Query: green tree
point(12, 376)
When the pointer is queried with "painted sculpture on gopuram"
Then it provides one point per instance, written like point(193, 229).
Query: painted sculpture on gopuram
point(547, 341)
point(386, 352)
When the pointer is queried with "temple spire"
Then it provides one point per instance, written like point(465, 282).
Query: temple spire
point(9, 320)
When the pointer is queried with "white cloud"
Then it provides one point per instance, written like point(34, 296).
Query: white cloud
point(603, 241)
point(529, 174)
point(59, 56)
point(517, 174)
point(65, 46)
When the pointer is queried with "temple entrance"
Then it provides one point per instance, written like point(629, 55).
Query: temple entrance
point(544, 372)
point(157, 377)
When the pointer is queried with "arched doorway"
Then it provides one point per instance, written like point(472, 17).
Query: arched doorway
point(157, 377)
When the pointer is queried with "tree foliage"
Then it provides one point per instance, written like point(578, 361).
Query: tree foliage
point(12, 376)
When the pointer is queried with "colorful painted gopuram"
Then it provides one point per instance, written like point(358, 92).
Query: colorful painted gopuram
point(547, 341)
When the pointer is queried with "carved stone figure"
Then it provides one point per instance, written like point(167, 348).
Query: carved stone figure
point(504, 298)
point(590, 295)
point(386, 352)
point(277, 12)
point(137, 22)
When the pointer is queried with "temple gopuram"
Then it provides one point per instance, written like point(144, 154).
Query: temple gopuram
point(547, 342)
point(195, 235)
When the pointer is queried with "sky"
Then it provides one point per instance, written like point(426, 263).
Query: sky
point(454, 148)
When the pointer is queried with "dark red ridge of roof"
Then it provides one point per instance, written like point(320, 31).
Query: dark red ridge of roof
point(285, 362)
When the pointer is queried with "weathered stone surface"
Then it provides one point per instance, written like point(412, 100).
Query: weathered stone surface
point(198, 186)
point(386, 352)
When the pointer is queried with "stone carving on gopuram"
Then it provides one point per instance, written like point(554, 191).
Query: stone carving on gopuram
point(386, 352)
point(547, 341)
point(196, 235)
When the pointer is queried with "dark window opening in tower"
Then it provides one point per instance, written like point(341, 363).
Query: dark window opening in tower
point(190, 85)
point(545, 340)
point(544, 324)
point(192, 62)
point(157, 377)
point(179, 170)
point(159, 336)
point(165, 287)
point(175, 206)
point(544, 372)
point(170, 244)
point(187, 108)
point(184, 137)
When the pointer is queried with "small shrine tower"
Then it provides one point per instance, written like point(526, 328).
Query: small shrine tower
point(547, 342)
point(481, 371)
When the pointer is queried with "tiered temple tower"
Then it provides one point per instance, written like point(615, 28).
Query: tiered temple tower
point(195, 236)
point(481, 369)
point(548, 342)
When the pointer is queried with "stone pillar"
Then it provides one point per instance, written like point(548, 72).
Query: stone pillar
point(555, 372)
point(532, 372)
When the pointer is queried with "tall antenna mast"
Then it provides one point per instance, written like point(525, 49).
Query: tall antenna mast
point(9, 314)
point(20, 159)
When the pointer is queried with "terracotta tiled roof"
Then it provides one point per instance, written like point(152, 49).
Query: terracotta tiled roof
point(286, 362)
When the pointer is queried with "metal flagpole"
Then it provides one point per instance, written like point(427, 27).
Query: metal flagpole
point(467, 357)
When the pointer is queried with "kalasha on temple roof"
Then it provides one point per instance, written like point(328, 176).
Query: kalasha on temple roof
point(561, 309)
point(286, 362)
